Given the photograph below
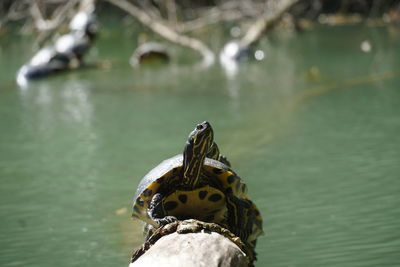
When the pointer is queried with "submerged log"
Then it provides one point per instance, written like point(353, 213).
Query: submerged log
point(193, 243)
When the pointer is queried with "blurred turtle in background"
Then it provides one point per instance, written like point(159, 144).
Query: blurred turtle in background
point(84, 28)
point(66, 53)
point(149, 52)
point(45, 62)
point(235, 50)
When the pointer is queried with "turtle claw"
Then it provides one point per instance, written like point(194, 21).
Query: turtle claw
point(166, 220)
point(224, 160)
point(148, 229)
point(156, 211)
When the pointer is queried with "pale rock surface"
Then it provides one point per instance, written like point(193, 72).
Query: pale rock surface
point(193, 249)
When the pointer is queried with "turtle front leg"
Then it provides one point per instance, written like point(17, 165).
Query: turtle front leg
point(224, 160)
point(214, 153)
point(156, 211)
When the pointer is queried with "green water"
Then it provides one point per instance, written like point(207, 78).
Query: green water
point(320, 153)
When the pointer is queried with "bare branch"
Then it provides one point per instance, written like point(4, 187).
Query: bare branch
point(150, 9)
point(58, 16)
point(273, 11)
point(166, 32)
point(171, 11)
point(18, 10)
point(227, 11)
point(214, 16)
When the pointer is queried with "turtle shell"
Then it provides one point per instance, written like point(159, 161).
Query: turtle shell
point(201, 201)
point(222, 200)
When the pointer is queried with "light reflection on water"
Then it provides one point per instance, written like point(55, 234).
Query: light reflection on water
point(319, 151)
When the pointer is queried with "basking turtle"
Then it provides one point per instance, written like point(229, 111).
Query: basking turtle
point(150, 52)
point(75, 45)
point(86, 22)
point(197, 184)
point(46, 61)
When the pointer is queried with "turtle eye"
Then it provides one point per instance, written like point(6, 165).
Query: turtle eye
point(199, 127)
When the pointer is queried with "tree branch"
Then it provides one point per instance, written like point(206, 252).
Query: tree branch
point(273, 11)
point(166, 32)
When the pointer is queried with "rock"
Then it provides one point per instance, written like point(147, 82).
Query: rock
point(193, 249)
point(192, 243)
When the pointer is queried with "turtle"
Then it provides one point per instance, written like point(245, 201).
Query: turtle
point(235, 51)
point(198, 184)
point(45, 62)
point(75, 45)
point(85, 21)
point(149, 52)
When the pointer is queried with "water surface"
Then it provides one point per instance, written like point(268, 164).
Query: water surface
point(313, 130)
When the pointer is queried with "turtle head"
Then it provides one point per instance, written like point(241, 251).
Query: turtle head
point(198, 144)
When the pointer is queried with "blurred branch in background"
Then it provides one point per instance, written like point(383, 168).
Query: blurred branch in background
point(226, 11)
point(159, 26)
point(185, 15)
point(44, 17)
point(46, 26)
point(174, 20)
point(273, 10)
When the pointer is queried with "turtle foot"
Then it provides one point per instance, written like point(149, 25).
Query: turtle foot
point(166, 220)
point(224, 160)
